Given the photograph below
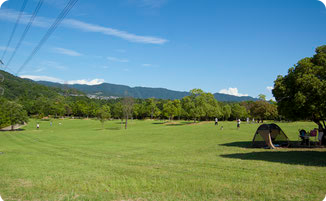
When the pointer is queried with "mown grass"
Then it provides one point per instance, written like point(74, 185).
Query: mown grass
point(151, 160)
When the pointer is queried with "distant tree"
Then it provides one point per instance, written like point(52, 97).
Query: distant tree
point(238, 111)
point(188, 106)
point(169, 110)
point(262, 97)
point(117, 111)
point(263, 110)
point(127, 106)
point(103, 114)
point(13, 113)
point(136, 111)
point(301, 93)
point(152, 107)
point(226, 112)
point(178, 107)
point(212, 109)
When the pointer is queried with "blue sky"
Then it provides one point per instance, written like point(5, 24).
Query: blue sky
point(237, 47)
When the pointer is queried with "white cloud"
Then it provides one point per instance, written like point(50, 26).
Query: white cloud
point(147, 65)
point(3, 48)
point(10, 15)
point(117, 59)
point(112, 32)
point(232, 91)
point(66, 52)
point(91, 82)
point(53, 79)
point(42, 78)
point(269, 88)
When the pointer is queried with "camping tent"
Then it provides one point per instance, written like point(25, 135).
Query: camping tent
point(268, 135)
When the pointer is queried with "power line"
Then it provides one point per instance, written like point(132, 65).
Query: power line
point(53, 27)
point(25, 31)
point(14, 29)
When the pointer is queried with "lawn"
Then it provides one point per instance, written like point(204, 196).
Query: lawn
point(152, 160)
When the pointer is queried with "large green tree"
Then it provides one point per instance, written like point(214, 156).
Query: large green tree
point(301, 94)
point(13, 113)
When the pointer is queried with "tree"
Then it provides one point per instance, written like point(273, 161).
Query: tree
point(263, 110)
point(226, 112)
point(169, 110)
point(301, 93)
point(178, 107)
point(14, 113)
point(127, 104)
point(151, 106)
point(103, 114)
point(117, 111)
point(238, 111)
point(262, 97)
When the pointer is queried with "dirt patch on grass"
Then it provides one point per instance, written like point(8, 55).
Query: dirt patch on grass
point(23, 183)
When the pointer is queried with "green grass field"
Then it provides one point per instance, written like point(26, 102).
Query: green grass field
point(77, 160)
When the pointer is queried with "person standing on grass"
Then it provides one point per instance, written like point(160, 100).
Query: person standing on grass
point(238, 123)
point(216, 121)
point(37, 126)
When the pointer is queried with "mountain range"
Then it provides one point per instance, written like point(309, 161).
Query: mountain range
point(114, 90)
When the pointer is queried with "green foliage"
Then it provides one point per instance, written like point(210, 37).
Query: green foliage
point(103, 114)
point(12, 113)
point(238, 111)
point(169, 110)
point(301, 93)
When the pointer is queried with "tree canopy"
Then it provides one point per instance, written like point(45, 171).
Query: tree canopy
point(301, 93)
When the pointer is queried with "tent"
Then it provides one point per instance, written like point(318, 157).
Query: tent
point(268, 135)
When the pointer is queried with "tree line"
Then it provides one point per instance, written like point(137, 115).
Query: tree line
point(198, 106)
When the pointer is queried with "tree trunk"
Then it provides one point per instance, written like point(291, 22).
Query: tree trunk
point(126, 124)
point(12, 127)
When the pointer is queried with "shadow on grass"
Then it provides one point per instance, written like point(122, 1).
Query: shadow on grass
point(172, 123)
point(19, 129)
point(112, 129)
point(248, 144)
point(307, 158)
point(158, 123)
point(244, 144)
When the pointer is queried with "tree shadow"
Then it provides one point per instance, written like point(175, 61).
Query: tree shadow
point(172, 123)
point(19, 129)
point(306, 158)
point(243, 144)
point(158, 123)
point(102, 129)
point(248, 144)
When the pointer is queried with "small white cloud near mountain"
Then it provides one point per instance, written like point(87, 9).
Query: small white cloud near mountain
point(232, 91)
point(269, 88)
point(91, 82)
point(57, 80)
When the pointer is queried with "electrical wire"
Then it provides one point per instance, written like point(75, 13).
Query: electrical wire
point(25, 32)
point(53, 27)
point(14, 29)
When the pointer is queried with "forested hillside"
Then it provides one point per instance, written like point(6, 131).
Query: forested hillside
point(107, 89)
point(25, 89)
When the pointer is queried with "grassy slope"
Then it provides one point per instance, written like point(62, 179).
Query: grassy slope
point(154, 161)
